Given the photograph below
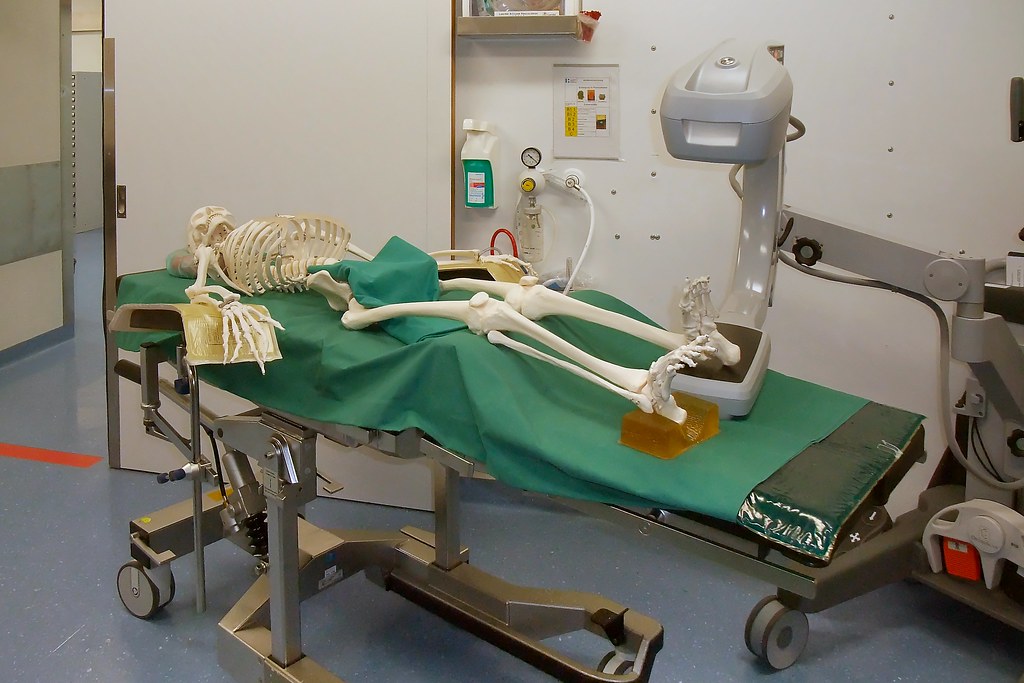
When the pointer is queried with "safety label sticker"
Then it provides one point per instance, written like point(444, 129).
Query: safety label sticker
point(331, 575)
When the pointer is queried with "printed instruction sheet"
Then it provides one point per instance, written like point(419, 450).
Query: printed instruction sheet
point(586, 111)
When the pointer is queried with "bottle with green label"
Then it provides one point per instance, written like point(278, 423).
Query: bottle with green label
point(479, 158)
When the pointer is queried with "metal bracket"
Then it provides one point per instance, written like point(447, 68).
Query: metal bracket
point(973, 403)
point(155, 558)
point(329, 485)
point(448, 458)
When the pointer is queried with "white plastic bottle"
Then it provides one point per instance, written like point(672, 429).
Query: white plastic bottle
point(531, 232)
point(479, 159)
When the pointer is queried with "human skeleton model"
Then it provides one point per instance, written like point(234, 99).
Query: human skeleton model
point(276, 254)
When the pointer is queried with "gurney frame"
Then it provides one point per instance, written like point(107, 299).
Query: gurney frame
point(886, 551)
point(260, 637)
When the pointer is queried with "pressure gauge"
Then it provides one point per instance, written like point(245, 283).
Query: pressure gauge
point(530, 157)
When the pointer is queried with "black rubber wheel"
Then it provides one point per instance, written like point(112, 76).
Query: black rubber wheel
point(615, 663)
point(138, 593)
point(170, 593)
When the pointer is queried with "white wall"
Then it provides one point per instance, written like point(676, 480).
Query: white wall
point(29, 76)
point(87, 15)
point(30, 155)
point(950, 182)
point(35, 301)
point(87, 51)
point(264, 108)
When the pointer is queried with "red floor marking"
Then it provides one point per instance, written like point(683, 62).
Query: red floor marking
point(43, 455)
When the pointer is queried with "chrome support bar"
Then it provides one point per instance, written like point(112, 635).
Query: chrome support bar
point(447, 505)
point(197, 487)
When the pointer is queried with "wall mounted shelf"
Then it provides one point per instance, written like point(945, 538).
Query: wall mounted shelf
point(519, 27)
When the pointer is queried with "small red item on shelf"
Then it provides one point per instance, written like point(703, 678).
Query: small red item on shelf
point(588, 24)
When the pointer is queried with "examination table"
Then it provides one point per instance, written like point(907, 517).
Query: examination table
point(792, 494)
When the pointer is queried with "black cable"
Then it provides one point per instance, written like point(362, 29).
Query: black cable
point(216, 463)
point(944, 356)
point(980, 450)
point(785, 232)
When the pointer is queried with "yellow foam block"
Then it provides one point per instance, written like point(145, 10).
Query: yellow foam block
point(204, 336)
point(661, 437)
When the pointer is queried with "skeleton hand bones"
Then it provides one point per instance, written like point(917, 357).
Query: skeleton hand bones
point(241, 322)
point(272, 254)
point(208, 228)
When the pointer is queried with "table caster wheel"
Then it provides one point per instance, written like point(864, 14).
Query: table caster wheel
point(168, 594)
point(776, 633)
point(615, 663)
point(139, 593)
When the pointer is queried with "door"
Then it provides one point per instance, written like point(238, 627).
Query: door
point(342, 108)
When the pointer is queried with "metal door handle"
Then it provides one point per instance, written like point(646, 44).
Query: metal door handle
point(122, 201)
point(1017, 109)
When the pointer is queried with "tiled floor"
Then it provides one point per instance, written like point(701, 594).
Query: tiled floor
point(64, 534)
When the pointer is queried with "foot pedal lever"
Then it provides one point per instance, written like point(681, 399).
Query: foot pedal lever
point(612, 623)
point(996, 531)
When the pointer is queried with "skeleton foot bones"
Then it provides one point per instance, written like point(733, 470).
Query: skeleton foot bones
point(699, 316)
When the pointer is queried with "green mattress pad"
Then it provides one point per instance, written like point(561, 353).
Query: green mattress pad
point(532, 425)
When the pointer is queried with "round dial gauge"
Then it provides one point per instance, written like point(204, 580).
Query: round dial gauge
point(531, 157)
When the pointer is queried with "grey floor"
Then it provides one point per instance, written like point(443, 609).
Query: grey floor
point(64, 534)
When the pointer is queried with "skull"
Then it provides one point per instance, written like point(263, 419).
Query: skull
point(209, 227)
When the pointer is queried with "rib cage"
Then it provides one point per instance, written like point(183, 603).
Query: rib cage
point(275, 254)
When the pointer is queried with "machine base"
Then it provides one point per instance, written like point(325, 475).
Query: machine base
point(514, 618)
point(733, 388)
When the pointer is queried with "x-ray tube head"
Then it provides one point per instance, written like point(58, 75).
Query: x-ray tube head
point(731, 105)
